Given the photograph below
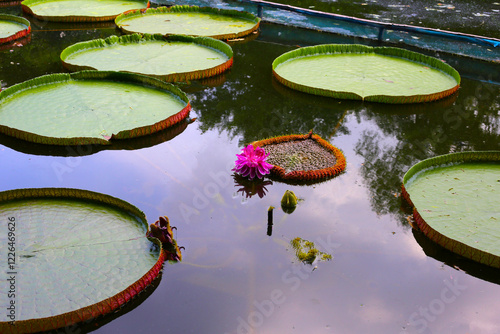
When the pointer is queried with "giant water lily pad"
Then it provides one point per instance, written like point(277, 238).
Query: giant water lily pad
point(75, 255)
point(80, 10)
point(189, 20)
point(172, 58)
point(302, 159)
point(455, 199)
point(359, 72)
point(90, 107)
point(13, 27)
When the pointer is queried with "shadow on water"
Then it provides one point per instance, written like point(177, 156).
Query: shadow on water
point(84, 150)
point(456, 261)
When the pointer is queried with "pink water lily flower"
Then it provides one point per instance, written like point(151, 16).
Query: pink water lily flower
point(252, 163)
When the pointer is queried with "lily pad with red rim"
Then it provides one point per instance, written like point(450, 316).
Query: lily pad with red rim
point(189, 20)
point(77, 255)
point(302, 159)
point(172, 58)
point(455, 199)
point(90, 107)
point(13, 27)
point(80, 10)
point(359, 72)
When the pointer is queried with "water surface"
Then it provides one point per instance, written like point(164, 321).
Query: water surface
point(383, 278)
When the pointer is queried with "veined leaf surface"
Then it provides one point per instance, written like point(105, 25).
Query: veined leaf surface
point(172, 58)
point(90, 107)
point(80, 10)
point(189, 20)
point(455, 199)
point(359, 72)
point(78, 255)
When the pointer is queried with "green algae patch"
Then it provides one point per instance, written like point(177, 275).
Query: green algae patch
point(173, 58)
point(455, 199)
point(307, 252)
point(189, 20)
point(90, 107)
point(80, 10)
point(358, 72)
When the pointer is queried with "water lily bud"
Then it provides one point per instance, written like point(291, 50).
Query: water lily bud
point(289, 202)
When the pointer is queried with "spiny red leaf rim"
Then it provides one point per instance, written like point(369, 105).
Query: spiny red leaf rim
point(70, 18)
point(442, 240)
point(98, 309)
point(21, 33)
point(313, 175)
point(97, 75)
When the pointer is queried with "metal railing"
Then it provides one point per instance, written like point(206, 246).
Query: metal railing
point(479, 47)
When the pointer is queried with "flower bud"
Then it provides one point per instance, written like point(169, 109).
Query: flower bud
point(289, 202)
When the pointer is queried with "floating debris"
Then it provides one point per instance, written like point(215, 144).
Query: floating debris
point(307, 253)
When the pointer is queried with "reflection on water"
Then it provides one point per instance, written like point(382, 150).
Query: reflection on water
point(249, 188)
point(88, 149)
point(470, 123)
point(456, 261)
point(234, 276)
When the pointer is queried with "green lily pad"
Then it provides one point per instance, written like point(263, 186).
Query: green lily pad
point(172, 58)
point(80, 10)
point(90, 107)
point(13, 27)
point(358, 72)
point(69, 256)
point(455, 199)
point(189, 20)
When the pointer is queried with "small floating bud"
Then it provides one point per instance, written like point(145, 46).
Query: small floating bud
point(289, 202)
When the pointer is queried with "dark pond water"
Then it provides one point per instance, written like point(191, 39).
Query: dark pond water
point(383, 278)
